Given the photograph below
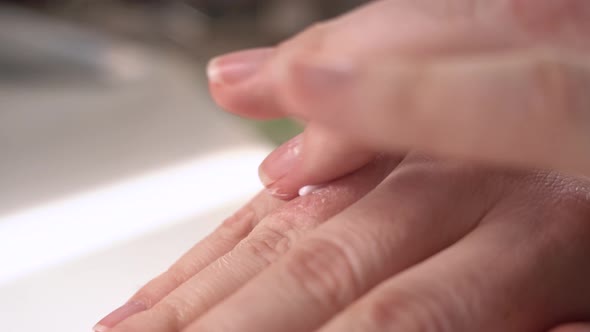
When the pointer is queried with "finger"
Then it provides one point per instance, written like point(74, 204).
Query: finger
point(250, 83)
point(250, 94)
point(518, 271)
point(327, 157)
point(393, 69)
point(476, 88)
point(581, 327)
point(271, 238)
point(405, 220)
point(257, 83)
point(526, 108)
point(221, 241)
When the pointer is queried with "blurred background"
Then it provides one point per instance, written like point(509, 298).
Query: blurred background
point(113, 158)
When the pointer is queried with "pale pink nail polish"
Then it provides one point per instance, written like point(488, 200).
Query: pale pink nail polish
point(125, 311)
point(237, 67)
point(280, 162)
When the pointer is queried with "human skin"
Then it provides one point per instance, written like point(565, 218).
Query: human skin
point(501, 81)
point(439, 245)
point(423, 245)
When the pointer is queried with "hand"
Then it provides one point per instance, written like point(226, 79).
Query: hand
point(436, 246)
point(245, 244)
point(502, 81)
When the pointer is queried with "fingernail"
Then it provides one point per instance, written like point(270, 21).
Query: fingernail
point(125, 311)
point(281, 161)
point(237, 67)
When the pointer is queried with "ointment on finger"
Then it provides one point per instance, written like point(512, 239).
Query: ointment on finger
point(307, 190)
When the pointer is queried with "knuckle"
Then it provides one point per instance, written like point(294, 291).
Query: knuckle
point(146, 294)
point(313, 38)
point(152, 292)
point(401, 311)
point(325, 271)
point(239, 224)
point(276, 234)
point(268, 243)
point(294, 52)
point(416, 175)
point(177, 274)
point(172, 312)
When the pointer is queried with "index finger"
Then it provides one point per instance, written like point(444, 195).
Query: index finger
point(526, 107)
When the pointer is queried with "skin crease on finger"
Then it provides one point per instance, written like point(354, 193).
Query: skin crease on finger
point(268, 241)
point(530, 246)
point(535, 241)
point(222, 240)
point(521, 2)
point(419, 194)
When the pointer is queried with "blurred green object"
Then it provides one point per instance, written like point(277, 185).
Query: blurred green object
point(278, 131)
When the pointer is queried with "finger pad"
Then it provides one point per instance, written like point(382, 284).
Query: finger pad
point(242, 102)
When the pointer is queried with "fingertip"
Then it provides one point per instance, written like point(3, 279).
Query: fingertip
point(246, 102)
point(240, 84)
point(213, 71)
point(118, 315)
point(232, 69)
point(99, 328)
point(316, 156)
point(281, 162)
point(287, 186)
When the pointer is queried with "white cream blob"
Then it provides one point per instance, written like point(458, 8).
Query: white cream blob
point(308, 190)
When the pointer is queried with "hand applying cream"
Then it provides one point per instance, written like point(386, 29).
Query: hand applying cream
point(496, 81)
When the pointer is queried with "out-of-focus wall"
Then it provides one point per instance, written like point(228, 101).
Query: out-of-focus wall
point(201, 26)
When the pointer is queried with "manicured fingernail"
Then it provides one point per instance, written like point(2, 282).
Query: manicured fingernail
point(237, 67)
point(111, 320)
point(280, 162)
point(307, 190)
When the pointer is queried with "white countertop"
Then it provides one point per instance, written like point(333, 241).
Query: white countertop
point(104, 183)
